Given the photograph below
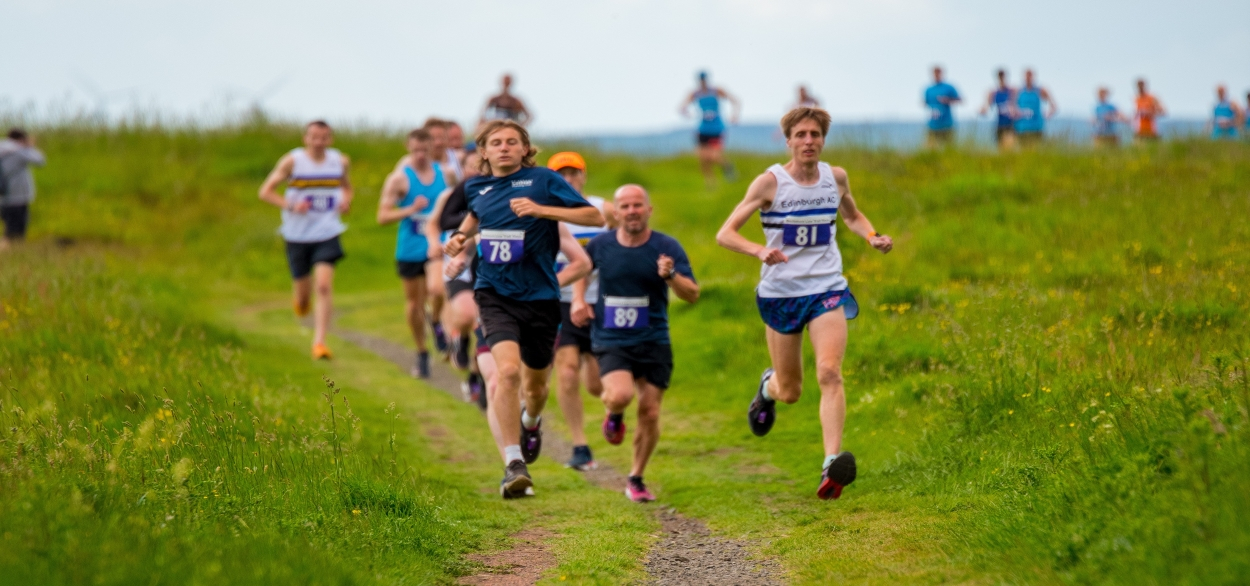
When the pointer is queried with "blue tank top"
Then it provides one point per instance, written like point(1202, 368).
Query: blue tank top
point(1105, 118)
point(411, 246)
point(1029, 111)
point(1225, 121)
point(709, 104)
point(1002, 104)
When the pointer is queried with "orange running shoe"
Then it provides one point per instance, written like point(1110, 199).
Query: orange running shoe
point(301, 309)
point(320, 352)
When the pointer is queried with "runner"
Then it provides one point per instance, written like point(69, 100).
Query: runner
point(801, 282)
point(1001, 99)
point(573, 351)
point(1030, 122)
point(1149, 110)
point(1225, 117)
point(440, 147)
point(939, 98)
point(518, 208)
point(506, 106)
point(317, 194)
point(629, 322)
point(455, 142)
point(408, 196)
point(711, 130)
point(1106, 121)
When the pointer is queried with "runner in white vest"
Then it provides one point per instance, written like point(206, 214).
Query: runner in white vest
point(801, 282)
point(317, 193)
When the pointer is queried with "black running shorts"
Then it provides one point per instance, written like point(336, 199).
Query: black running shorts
point(650, 362)
point(456, 286)
point(15, 219)
point(410, 270)
point(301, 256)
point(531, 324)
point(570, 333)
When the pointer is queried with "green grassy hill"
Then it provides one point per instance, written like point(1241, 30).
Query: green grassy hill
point(1047, 383)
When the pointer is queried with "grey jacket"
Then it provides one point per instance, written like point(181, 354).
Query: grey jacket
point(15, 163)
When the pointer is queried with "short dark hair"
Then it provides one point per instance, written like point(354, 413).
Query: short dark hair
point(419, 134)
point(16, 133)
point(1001, 72)
point(318, 124)
point(433, 122)
point(818, 115)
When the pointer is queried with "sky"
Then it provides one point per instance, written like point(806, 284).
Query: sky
point(618, 66)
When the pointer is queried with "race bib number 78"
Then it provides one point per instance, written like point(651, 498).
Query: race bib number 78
point(503, 246)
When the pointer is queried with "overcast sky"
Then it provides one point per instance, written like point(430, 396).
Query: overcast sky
point(619, 65)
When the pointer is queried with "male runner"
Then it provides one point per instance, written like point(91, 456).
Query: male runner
point(629, 322)
point(1106, 121)
point(573, 352)
point(939, 98)
point(506, 106)
point(711, 130)
point(1001, 99)
point(408, 196)
point(1149, 110)
point(460, 311)
point(455, 141)
point(1030, 121)
point(1225, 116)
point(801, 282)
point(440, 147)
point(518, 207)
point(317, 194)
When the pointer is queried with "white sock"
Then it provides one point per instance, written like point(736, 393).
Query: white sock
point(530, 423)
point(765, 393)
point(511, 453)
point(829, 460)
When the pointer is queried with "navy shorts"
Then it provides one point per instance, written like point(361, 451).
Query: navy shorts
point(789, 315)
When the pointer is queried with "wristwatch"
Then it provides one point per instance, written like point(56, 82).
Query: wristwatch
point(671, 273)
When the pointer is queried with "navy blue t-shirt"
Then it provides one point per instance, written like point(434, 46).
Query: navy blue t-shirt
point(528, 274)
point(633, 299)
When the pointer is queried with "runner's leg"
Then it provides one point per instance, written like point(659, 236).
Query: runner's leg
point(534, 384)
point(302, 292)
point(648, 432)
point(437, 291)
point(504, 401)
point(462, 314)
point(486, 367)
point(707, 159)
point(566, 366)
point(415, 292)
point(590, 374)
point(786, 351)
point(323, 282)
point(828, 334)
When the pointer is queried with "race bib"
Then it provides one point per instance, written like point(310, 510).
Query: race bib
point(807, 230)
point(501, 247)
point(625, 313)
point(320, 203)
point(417, 223)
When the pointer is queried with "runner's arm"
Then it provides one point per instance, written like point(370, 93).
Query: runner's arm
point(348, 191)
point(586, 215)
point(759, 195)
point(579, 262)
point(985, 108)
point(854, 219)
point(456, 242)
point(1054, 108)
point(431, 229)
point(269, 189)
point(685, 287)
point(524, 116)
point(389, 211)
point(733, 118)
point(581, 312)
point(684, 108)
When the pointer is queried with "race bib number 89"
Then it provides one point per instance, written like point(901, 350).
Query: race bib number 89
point(808, 231)
point(625, 313)
point(501, 247)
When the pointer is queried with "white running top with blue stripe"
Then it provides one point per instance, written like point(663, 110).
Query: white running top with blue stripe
point(811, 269)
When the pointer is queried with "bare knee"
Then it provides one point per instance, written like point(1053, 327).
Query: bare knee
point(594, 387)
point(508, 375)
point(648, 412)
point(829, 378)
point(616, 400)
point(786, 390)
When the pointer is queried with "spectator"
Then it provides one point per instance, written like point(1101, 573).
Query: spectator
point(17, 184)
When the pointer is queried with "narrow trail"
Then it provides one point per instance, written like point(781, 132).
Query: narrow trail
point(686, 553)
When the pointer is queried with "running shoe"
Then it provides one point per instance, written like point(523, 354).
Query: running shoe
point(516, 481)
point(459, 352)
point(480, 385)
point(582, 460)
point(637, 491)
point(836, 476)
point(301, 309)
point(421, 368)
point(440, 339)
point(320, 352)
point(763, 411)
point(614, 428)
point(531, 440)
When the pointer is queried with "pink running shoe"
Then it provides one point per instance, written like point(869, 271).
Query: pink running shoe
point(614, 428)
point(637, 491)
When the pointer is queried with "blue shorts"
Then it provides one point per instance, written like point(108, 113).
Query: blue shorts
point(789, 315)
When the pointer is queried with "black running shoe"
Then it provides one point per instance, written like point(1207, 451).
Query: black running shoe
point(582, 459)
point(440, 339)
point(480, 385)
point(836, 476)
point(516, 481)
point(459, 352)
point(531, 441)
point(421, 368)
point(763, 411)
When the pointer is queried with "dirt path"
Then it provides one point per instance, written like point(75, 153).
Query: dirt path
point(686, 552)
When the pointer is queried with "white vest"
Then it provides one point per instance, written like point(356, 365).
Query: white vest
point(811, 269)
point(321, 184)
point(583, 234)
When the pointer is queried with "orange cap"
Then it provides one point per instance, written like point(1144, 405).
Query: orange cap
point(566, 159)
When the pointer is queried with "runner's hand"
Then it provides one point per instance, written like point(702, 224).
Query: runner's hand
point(454, 267)
point(665, 264)
point(882, 242)
point(524, 206)
point(302, 206)
point(455, 245)
point(771, 256)
point(417, 205)
point(581, 313)
point(345, 206)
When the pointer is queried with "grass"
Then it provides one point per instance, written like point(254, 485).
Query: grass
point(1047, 383)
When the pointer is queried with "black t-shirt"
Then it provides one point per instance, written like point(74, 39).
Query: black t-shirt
point(633, 299)
point(454, 211)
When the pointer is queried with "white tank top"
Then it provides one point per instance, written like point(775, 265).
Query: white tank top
point(583, 234)
point(453, 165)
point(801, 223)
point(321, 184)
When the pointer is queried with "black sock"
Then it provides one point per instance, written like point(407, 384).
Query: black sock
point(616, 417)
point(635, 481)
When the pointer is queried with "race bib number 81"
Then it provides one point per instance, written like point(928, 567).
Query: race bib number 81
point(501, 247)
point(808, 231)
point(625, 313)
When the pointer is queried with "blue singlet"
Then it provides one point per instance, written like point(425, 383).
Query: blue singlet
point(1225, 121)
point(411, 246)
point(1105, 119)
point(1029, 111)
point(709, 104)
point(940, 112)
point(1002, 104)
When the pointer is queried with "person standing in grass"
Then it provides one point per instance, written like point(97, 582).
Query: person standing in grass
point(408, 196)
point(711, 131)
point(1107, 120)
point(1225, 117)
point(517, 209)
point(939, 98)
point(318, 192)
point(802, 283)
point(1149, 110)
point(17, 184)
point(506, 106)
point(1002, 100)
point(629, 322)
point(1030, 120)
point(574, 360)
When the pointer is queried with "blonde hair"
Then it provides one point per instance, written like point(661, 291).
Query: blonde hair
point(527, 160)
point(793, 117)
